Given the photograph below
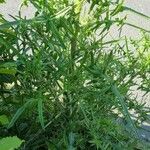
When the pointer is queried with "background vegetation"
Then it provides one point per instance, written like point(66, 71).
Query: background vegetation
point(65, 83)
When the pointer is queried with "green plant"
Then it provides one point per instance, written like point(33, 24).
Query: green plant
point(62, 79)
point(10, 143)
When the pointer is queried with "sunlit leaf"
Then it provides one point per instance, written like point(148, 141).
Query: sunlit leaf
point(10, 143)
point(4, 120)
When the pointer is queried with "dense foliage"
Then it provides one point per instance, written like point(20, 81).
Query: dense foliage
point(65, 83)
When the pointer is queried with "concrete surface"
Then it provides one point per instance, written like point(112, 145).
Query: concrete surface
point(11, 7)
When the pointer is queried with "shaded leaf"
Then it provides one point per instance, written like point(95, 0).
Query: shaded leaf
point(125, 109)
point(19, 112)
point(2, 1)
point(40, 111)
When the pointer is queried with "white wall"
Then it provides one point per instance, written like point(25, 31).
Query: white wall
point(143, 6)
point(12, 7)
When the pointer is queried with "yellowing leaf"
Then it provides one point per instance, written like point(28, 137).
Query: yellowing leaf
point(78, 5)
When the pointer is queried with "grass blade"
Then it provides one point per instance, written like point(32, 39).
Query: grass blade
point(19, 113)
point(56, 33)
point(137, 27)
point(40, 111)
point(35, 19)
point(125, 109)
point(136, 12)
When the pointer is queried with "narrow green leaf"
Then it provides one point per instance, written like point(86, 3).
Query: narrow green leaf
point(57, 34)
point(125, 109)
point(16, 116)
point(8, 71)
point(118, 9)
point(7, 44)
point(8, 68)
point(35, 19)
point(136, 12)
point(19, 22)
point(19, 113)
point(8, 65)
point(62, 12)
point(71, 141)
point(140, 28)
point(40, 111)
